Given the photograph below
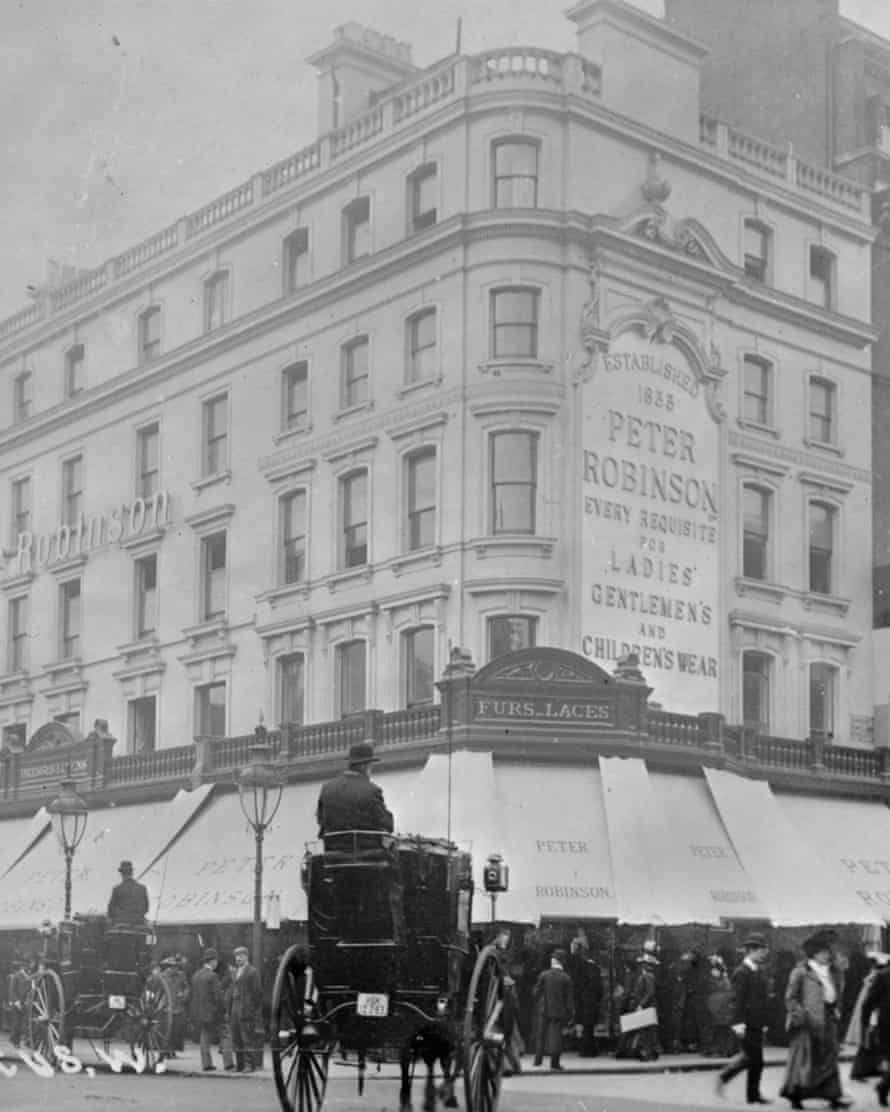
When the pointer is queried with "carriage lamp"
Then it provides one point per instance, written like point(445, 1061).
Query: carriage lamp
point(496, 878)
point(69, 819)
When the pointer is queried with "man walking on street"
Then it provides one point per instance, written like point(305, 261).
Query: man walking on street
point(751, 1016)
point(247, 1003)
point(556, 1007)
point(19, 987)
point(207, 1006)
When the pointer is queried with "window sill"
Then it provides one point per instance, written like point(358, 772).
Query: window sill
point(64, 673)
point(762, 589)
point(755, 426)
point(285, 592)
point(350, 577)
point(352, 410)
point(513, 544)
point(215, 627)
point(430, 556)
point(148, 539)
point(420, 384)
point(66, 567)
point(516, 365)
point(19, 581)
point(211, 480)
point(823, 446)
point(9, 680)
point(826, 604)
point(149, 643)
point(288, 435)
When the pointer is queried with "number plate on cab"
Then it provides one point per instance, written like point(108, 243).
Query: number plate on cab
point(117, 1003)
point(374, 1004)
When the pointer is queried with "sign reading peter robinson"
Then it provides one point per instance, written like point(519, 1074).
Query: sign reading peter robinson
point(651, 513)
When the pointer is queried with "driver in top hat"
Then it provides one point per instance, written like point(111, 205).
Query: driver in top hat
point(352, 801)
point(129, 899)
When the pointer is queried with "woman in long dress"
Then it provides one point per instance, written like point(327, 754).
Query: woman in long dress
point(812, 1002)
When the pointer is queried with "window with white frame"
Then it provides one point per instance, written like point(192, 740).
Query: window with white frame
point(75, 360)
point(291, 689)
point(514, 480)
point(757, 376)
point(357, 229)
point(22, 386)
point(72, 490)
point(21, 508)
point(821, 410)
point(295, 396)
point(210, 709)
point(146, 595)
point(215, 435)
point(142, 724)
point(354, 372)
point(514, 323)
point(822, 269)
point(508, 633)
point(821, 547)
point(17, 648)
point(69, 619)
point(150, 334)
point(351, 677)
point(293, 537)
point(515, 173)
point(758, 240)
point(296, 259)
point(422, 197)
point(148, 461)
point(421, 346)
point(216, 297)
point(354, 519)
point(213, 576)
point(756, 669)
point(823, 699)
point(420, 490)
point(418, 654)
point(755, 532)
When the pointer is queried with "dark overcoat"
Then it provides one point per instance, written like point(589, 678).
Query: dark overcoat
point(129, 902)
point(877, 999)
point(247, 993)
point(207, 997)
point(352, 802)
point(555, 996)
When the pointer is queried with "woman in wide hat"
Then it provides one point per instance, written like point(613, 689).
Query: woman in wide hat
point(812, 1003)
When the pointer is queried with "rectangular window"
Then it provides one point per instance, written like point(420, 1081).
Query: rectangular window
point(514, 484)
point(515, 174)
point(21, 396)
point(756, 400)
point(755, 691)
point(355, 373)
point(146, 595)
point(21, 509)
point(216, 294)
point(821, 548)
point(422, 363)
point(296, 257)
point(72, 489)
point(17, 656)
point(755, 533)
point(822, 275)
point(421, 490)
point(420, 676)
point(69, 615)
point(150, 334)
point(74, 365)
point(821, 415)
point(422, 198)
point(291, 689)
point(514, 324)
point(354, 511)
point(148, 441)
point(142, 724)
point(210, 710)
point(509, 633)
point(216, 435)
point(293, 537)
point(295, 385)
point(213, 569)
point(357, 229)
point(351, 677)
point(757, 242)
point(823, 678)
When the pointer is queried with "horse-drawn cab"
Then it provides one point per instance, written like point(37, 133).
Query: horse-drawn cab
point(391, 972)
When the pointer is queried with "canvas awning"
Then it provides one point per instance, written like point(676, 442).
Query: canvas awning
point(17, 836)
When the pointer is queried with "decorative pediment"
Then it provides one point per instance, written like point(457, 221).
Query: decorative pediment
point(53, 735)
point(542, 666)
point(687, 236)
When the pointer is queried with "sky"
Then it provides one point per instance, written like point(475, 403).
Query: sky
point(120, 116)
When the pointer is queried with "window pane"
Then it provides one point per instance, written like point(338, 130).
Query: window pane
point(755, 690)
point(142, 725)
point(352, 677)
point(214, 576)
point(514, 486)
point(756, 249)
point(421, 500)
point(212, 710)
point(756, 391)
point(515, 323)
point(21, 509)
point(70, 605)
point(215, 293)
point(821, 547)
point(510, 633)
point(516, 175)
point(291, 683)
point(821, 410)
point(296, 248)
point(755, 533)
point(293, 530)
point(296, 395)
point(355, 386)
point(216, 428)
point(149, 483)
point(822, 680)
point(147, 595)
point(74, 370)
point(358, 229)
point(355, 520)
point(419, 673)
point(422, 346)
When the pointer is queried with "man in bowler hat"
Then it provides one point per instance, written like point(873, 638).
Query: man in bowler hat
point(129, 899)
point(207, 1006)
point(246, 1012)
point(556, 1008)
point(352, 801)
point(751, 1016)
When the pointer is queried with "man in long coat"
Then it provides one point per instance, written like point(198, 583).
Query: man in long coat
point(556, 1008)
point(247, 1006)
point(207, 1006)
point(352, 801)
point(752, 1012)
point(129, 899)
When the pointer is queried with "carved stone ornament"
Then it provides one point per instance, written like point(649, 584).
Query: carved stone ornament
point(593, 338)
point(655, 188)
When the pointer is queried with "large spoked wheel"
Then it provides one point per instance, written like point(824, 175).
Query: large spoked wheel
point(150, 1021)
point(300, 1053)
point(483, 1034)
point(46, 1014)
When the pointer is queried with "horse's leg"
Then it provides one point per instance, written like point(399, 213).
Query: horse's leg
point(449, 1072)
point(429, 1089)
point(405, 1059)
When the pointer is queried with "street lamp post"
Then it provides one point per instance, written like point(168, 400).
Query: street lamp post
point(69, 819)
point(259, 788)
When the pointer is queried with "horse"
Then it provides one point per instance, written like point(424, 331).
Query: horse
point(432, 1044)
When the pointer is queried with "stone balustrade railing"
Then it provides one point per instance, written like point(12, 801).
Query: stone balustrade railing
point(514, 69)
